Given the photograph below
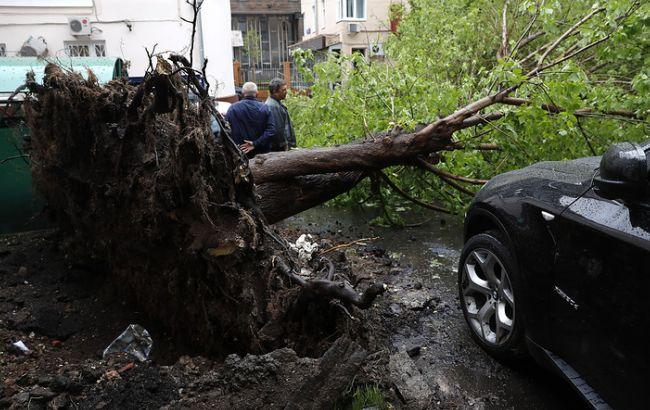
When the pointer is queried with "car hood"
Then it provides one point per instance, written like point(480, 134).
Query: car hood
point(555, 184)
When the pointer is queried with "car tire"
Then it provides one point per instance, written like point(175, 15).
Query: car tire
point(489, 288)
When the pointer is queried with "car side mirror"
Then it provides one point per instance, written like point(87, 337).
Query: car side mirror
point(623, 172)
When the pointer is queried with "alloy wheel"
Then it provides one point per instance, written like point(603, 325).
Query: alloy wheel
point(488, 297)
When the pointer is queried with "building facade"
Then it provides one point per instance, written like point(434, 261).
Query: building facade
point(121, 28)
point(346, 26)
point(268, 29)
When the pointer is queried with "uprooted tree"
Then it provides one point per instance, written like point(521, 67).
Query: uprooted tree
point(181, 218)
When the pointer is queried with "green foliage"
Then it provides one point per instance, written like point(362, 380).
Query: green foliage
point(368, 397)
point(445, 56)
point(252, 46)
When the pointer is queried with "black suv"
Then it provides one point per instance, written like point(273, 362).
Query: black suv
point(556, 264)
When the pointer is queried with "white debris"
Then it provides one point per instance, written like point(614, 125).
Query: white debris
point(20, 345)
point(305, 247)
point(304, 272)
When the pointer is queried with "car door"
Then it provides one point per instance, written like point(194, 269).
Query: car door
point(600, 319)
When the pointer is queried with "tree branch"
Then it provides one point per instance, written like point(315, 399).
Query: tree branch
point(328, 289)
point(444, 174)
point(456, 185)
point(569, 56)
point(528, 40)
point(566, 34)
point(582, 112)
point(584, 135)
point(481, 119)
point(196, 8)
point(14, 157)
point(409, 197)
point(503, 50)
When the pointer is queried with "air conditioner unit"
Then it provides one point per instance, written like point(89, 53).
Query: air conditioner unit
point(354, 27)
point(79, 26)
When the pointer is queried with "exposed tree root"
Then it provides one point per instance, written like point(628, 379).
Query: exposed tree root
point(139, 182)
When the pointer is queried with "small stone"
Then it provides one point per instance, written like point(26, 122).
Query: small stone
point(9, 387)
point(151, 386)
point(414, 351)
point(395, 308)
point(25, 380)
point(39, 393)
point(20, 318)
point(45, 380)
point(21, 398)
point(409, 382)
point(61, 383)
point(59, 402)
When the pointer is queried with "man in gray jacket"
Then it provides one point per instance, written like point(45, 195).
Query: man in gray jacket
point(285, 137)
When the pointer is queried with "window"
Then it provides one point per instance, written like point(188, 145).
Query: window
point(351, 10)
point(323, 14)
point(3, 50)
point(85, 48)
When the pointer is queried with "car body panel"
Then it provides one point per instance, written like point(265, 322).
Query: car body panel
point(599, 301)
point(584, 276)
point(516, 199)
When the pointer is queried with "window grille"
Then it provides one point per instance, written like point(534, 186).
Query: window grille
point(85, 48)
point(100, 50)
point(78, 50)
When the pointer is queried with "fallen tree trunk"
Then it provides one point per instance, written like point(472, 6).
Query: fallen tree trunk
point(372, 153)
point(281, 199)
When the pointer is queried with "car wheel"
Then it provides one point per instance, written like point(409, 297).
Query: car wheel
point(488, 292)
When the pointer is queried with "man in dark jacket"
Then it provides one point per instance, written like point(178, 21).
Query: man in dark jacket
point(285, 137)
point(251, 122)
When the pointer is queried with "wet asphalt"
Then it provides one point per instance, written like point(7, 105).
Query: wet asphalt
point(451, 363)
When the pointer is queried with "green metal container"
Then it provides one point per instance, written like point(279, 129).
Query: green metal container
point(18, 203)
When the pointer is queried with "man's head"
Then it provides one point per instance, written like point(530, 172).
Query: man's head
point(278, 89)
point(249, 89)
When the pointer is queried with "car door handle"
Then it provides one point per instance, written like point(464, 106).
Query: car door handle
point(548, 217)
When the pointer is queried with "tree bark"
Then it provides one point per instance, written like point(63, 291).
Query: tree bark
point(281, 199)
point(376, 152)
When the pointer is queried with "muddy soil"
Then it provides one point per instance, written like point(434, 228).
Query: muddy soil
point(66, 313)
point(421, 314)
point(412, 344)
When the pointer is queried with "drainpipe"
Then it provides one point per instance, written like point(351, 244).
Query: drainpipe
point(199, 22)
